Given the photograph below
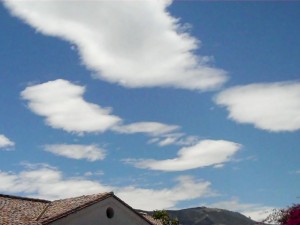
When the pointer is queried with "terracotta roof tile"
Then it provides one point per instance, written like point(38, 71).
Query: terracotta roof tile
point(64, 207)
point(152, 220)
point(16, 210)
point(20, 211)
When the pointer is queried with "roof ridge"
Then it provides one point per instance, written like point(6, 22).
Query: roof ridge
point(24, 198)
point(135, 211)
point(86, 195)
point(43, 212)
point(102, 196)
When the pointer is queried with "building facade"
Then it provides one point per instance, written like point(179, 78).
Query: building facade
point(103, 208)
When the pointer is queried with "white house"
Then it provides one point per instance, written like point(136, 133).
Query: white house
point(103, 208)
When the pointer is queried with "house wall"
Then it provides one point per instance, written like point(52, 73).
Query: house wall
point(97, 215)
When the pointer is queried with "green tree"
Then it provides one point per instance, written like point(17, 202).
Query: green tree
point(164, 217)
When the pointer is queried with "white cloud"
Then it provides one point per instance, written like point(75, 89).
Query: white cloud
point(62, 104)
point(5, 142)
point(44, 181)
point(175, 139)
point(48, 183)
point(204, 153)
point(270, 106)
point(89, 152)
point(257, 212)
point(150, 128)
point(96, 173)
point(151, 199)
point(134, 44)
point(167, 141)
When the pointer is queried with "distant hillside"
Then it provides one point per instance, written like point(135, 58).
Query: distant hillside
point(208, 216)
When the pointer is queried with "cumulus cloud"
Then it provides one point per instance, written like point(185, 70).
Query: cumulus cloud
point(5, 142)
point(257, 212)
point(187, 188)
point(62, 104)
point(49, 183)
point(204, 153)
point(268, 106)
point(89, 152)
point(134, 44)
point(44, 181)
point(64, 107)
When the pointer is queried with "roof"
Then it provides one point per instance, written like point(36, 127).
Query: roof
point(19, 210)
point(60, 208)
point(151, 219)
point(15, 210)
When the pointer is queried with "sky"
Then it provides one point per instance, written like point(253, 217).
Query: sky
point(170, 105)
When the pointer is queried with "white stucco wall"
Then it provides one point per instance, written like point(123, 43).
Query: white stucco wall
point(96, 215)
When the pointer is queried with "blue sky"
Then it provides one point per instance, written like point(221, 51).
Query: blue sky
point(168, 104)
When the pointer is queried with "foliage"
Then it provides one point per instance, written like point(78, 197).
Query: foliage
point(164, 217)
point(293, 216)
point(289, 216)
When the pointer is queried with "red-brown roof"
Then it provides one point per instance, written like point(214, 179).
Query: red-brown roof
point(16, 210)
point(152, 220)
point(64, 207)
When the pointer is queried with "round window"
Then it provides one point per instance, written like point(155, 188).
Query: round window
point(110, 212)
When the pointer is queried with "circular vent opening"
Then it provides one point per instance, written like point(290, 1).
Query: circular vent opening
point(110, 212)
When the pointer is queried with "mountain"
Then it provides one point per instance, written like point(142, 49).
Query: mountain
point(208, 216)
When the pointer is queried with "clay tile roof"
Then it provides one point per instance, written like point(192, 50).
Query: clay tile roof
point(20, 211)
point(64, 207)
point(16, 210)
point(152, 220)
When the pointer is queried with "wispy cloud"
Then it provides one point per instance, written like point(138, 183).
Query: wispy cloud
point(175, 139)
point(44, 181)
point(134, 44)
point(268, 106)
point(5, 142)
point(204, 153)
point(96, 173)
point(89, 152)
point(150, 128)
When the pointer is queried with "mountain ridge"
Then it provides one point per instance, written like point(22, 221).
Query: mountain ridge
point(208, 216)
